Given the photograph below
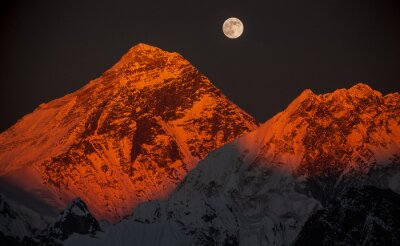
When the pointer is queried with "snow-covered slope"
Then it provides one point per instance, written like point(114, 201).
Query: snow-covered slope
point(324, 153)
point(74, 219)
point(261, 189)
point(18, 222)
point(130, 232)
point(364, 216)
point(127, 137)
point(20, 225)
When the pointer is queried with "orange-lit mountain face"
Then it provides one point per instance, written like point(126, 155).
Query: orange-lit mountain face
point(325, 137)
point(318, 133)
point(124, 138)
point(334, 152)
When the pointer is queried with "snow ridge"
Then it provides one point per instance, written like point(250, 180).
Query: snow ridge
point(126, 137)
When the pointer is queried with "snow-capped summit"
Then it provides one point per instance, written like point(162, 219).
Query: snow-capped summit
point(339, 131)
point(76, 207)
point(126, 137)
point(76, 218)
point(309, 168)
point(143, 55)
point(17, 222)
point(261, 189)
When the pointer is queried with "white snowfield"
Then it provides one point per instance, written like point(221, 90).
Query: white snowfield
point(263, 208)
point(19, 221)
point(262, 188)
point(129, 232)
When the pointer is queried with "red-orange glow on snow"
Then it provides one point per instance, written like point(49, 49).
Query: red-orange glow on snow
point(355, 127)
point(124, 138)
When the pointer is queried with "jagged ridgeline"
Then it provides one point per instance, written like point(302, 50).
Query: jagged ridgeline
point(324, 171)
point(323, 157)
point(126, 137)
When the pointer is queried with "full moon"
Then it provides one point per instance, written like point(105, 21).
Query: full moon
point(232, 28)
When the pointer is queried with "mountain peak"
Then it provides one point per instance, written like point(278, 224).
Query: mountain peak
point(77, 207)
point(361, 87)
point(127, 137)
point(144, 55)
point(361, 90)
point(76, 218)
point(360, 94)
point(143, 47)
point(318, 127)
point(306, 94)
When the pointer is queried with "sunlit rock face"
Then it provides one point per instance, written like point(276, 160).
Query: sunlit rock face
point(126, 137)
point(262, 188)
point(324, 169)
point(323, 137)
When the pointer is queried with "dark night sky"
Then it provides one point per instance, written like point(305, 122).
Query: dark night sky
point(51, 48)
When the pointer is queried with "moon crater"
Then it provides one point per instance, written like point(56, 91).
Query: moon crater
point(233, 28)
